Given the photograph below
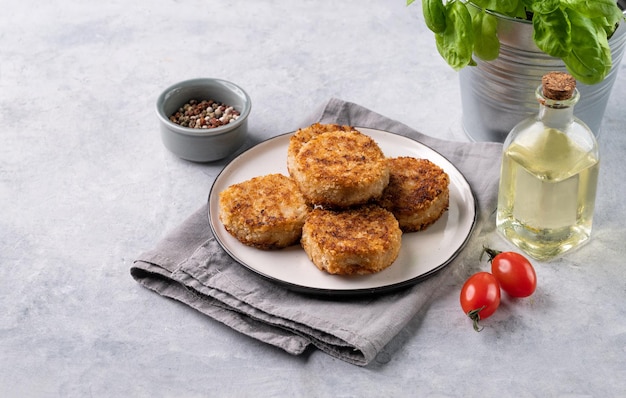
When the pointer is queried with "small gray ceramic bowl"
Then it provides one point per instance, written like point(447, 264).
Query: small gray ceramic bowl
point(203, 145)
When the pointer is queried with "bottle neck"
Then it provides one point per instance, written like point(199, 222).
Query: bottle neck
point(558, 114)
point(558, 118)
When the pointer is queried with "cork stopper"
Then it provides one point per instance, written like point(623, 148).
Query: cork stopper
point(558, 86)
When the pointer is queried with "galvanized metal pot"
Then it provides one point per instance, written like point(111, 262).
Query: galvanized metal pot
point(496, 95)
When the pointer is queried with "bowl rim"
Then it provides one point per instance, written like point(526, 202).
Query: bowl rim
point(225, 84)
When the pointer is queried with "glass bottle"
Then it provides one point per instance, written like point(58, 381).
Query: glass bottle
point(549, 175)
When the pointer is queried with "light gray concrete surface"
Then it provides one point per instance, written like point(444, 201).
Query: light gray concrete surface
point(86, 185)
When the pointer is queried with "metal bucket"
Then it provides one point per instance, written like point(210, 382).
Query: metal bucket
point(496, 95)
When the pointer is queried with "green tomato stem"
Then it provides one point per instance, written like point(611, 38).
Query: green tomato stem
point(490, 252)
point(475, 317)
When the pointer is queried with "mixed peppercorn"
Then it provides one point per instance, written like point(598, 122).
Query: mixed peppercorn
point(204, 114)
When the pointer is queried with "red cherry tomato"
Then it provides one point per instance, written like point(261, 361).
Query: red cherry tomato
point(514, 272)
point(480, 297)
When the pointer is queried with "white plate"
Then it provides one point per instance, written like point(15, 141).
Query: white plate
point(422, 253)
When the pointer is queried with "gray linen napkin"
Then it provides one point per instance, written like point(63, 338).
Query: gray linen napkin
point(189, 265)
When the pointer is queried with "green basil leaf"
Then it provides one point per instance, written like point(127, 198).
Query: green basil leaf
point(434, 15)
point(552, 33)
point(486, 43)
point(530, 4)
point(482, 3)
point(592, 8)
point(610, 22)
point(519, 11)
point(500, 6)
point(456, 42)
point(544, 6)
point(590, 59)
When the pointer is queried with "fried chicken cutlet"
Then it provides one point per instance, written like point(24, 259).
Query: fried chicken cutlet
point(340, 169)
point(357, 241)
point(304, 135)
point(266, 212)
point(418, 192)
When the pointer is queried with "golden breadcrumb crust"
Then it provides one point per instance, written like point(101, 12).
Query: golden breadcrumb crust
point(356, 241)
point(266, 212)
point(304, 135)
point(417, 194)
point(340, 169)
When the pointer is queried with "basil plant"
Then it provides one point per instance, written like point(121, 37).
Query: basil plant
point(576, 31)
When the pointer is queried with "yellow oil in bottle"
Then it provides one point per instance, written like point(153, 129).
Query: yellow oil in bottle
point(547, 193)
